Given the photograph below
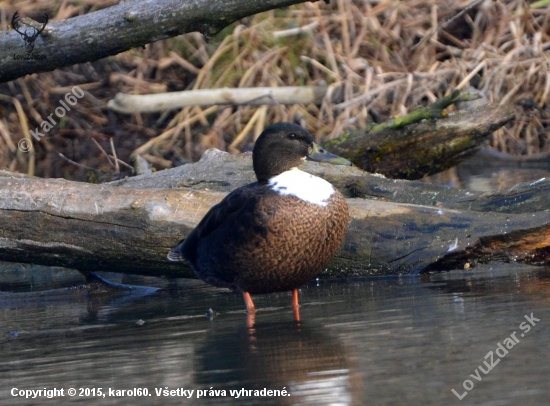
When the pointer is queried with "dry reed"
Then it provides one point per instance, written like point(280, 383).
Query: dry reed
point(361, 49)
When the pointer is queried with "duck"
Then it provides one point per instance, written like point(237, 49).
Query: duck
point(275, 234)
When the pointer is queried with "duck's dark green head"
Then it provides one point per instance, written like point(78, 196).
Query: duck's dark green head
point(283, 146)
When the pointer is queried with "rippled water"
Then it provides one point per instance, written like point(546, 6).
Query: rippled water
point(380, 341)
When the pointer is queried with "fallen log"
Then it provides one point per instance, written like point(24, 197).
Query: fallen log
point(224, 172)
point(404, 149)
point(128, 227)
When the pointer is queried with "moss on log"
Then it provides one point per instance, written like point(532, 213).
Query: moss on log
point(406, 149)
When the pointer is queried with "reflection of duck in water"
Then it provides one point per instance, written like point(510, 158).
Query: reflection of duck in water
point(277, 233)
point(308, 361)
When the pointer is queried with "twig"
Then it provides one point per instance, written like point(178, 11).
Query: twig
point(6, 135)
point(445, 24)
point(466, 80)
point(320, 66)
point(168, 133)
point(103, 151)
point(120, 161)
point(433, 111)
point(25, 127)
point(368, 95)
point(295, 31)
point(114, 155)
point(77, 164)
point(245, 131)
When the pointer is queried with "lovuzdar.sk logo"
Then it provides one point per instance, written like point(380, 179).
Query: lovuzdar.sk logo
point(29, 30)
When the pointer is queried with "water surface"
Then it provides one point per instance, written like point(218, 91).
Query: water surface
point(379, 341)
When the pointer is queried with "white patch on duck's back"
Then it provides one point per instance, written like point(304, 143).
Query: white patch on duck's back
point(303, 185)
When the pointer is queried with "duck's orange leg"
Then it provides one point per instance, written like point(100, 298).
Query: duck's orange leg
point(250, 308)
point(295, 305)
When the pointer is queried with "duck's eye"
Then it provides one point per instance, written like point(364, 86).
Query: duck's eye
point(292, 136)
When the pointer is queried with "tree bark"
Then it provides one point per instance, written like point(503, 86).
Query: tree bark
point(411, 151)
point(224, 172)
point(120, 28)
point(128, 226)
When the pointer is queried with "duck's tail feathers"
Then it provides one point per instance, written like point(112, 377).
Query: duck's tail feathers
point(175, 253)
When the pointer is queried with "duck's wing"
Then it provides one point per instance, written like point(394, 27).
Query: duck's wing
point(238, 207)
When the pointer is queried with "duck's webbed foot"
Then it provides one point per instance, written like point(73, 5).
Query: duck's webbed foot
point(295, 305)
point(250, 308)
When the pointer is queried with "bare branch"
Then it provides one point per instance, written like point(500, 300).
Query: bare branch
point(120, 28)
point(442, 26)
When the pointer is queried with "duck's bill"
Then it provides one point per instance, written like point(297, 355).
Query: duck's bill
point(318, 153)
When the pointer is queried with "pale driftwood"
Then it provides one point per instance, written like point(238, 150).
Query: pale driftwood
point(123, 228)
point(120, 28)
point(254, 96)
point(295, 31)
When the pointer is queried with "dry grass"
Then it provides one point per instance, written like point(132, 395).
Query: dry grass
point(361, 49)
